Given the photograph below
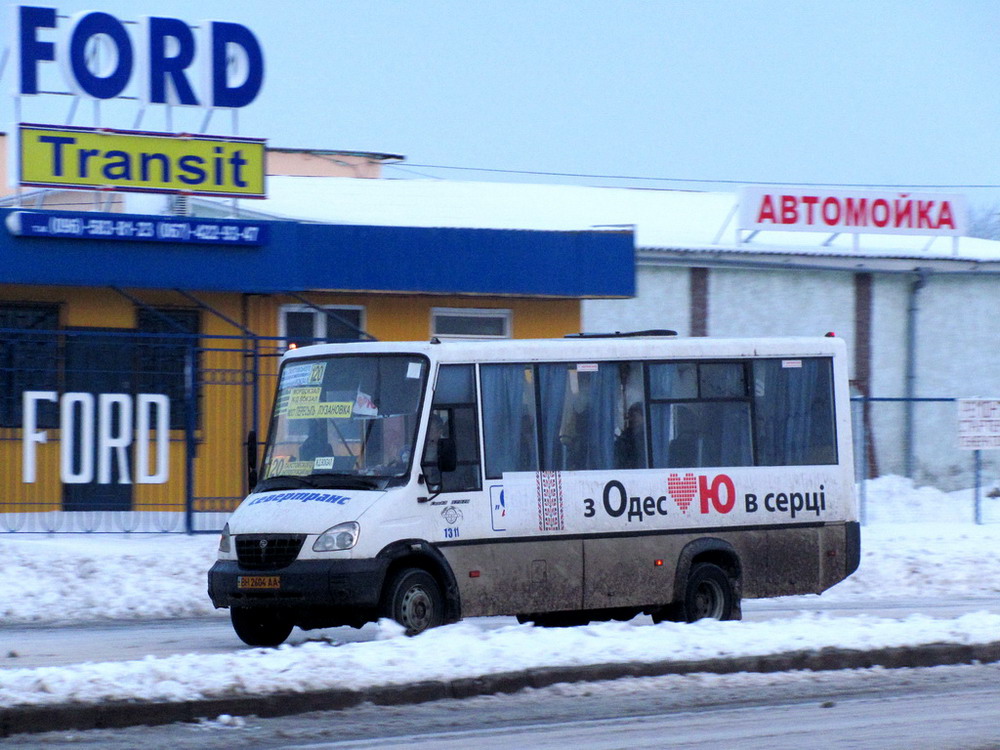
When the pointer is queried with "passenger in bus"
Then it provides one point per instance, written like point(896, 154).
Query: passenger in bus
point(630, 445)
point(683, 449)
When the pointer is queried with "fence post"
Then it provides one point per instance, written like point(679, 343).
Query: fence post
point(190, 397)
point(863, 510)
point(255, 424)
point(978, 463)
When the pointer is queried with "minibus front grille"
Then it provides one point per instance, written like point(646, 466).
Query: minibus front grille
point(267, 551)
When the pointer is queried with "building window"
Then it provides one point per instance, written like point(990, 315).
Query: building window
point(166, 347)
point(302, 325)
point(467, 323)
point(29, 360)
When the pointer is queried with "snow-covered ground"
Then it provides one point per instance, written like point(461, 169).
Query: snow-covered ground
point(919, 544)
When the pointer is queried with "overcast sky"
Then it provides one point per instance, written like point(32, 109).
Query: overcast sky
point(874, 92)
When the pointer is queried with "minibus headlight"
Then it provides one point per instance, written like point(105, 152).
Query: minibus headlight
point(225, 539)
point(341, 536)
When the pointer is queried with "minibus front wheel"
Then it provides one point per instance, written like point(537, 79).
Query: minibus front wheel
point(413, 599)
point(260, 626)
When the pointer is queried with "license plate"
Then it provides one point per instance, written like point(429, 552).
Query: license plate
point(258, 582)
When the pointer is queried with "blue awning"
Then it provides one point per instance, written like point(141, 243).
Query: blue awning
point(295, 256)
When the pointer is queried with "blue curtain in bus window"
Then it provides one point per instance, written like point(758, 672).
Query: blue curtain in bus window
point(672, 381)
point(668, 381)
point(606, 413)
point(581, 411)
point(558, 423)
point(508, 419)
point(793, 408)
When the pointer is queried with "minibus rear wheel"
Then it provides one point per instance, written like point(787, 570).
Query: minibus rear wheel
point(414, 600)
point(260, 626)
point(709, 594)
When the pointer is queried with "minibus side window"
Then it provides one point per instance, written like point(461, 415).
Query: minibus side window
point(453, 415)
point(631, 434)
point(509, 426)
point(793, 412)
point(583, 413)
point(699, 414)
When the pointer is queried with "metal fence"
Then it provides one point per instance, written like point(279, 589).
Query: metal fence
point(917, 439)
point(127, 430)
point(144, 431)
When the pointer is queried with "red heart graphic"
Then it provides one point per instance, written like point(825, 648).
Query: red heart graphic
point(682, 490)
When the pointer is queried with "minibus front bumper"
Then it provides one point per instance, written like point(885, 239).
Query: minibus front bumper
point(301, 584)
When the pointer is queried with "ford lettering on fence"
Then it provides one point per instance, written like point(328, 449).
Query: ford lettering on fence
point(96, 432)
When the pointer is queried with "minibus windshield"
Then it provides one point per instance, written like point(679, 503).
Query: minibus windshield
point(344, 421)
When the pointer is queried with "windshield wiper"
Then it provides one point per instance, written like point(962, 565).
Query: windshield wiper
point(335, 480)
point(283, 482)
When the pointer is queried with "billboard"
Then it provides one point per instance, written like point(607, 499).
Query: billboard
point(853, 212)
point(100, 158)
point(221, 67)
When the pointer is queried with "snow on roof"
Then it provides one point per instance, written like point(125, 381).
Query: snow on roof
point(661, 219)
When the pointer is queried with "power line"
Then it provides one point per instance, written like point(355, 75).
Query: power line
point(701, 181)
point(413, 171)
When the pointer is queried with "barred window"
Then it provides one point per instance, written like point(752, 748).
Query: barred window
point(163, 357)
point(29, 360)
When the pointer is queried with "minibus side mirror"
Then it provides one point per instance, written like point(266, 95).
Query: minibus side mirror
point(251, 460)
point(447, 460)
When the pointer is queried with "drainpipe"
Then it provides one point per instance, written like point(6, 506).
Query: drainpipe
point(912, 310)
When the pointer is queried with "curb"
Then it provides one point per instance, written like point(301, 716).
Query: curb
point(74, 716)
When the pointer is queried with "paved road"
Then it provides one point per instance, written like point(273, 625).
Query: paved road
point(945, 708)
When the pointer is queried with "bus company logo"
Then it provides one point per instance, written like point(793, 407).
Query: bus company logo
point(719, 493)
point(498, 504)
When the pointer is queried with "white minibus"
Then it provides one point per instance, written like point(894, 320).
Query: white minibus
point(561, 481)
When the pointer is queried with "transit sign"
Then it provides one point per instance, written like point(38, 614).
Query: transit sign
point(92, 158)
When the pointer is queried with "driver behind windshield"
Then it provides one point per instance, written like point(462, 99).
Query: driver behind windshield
point(316, 444)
